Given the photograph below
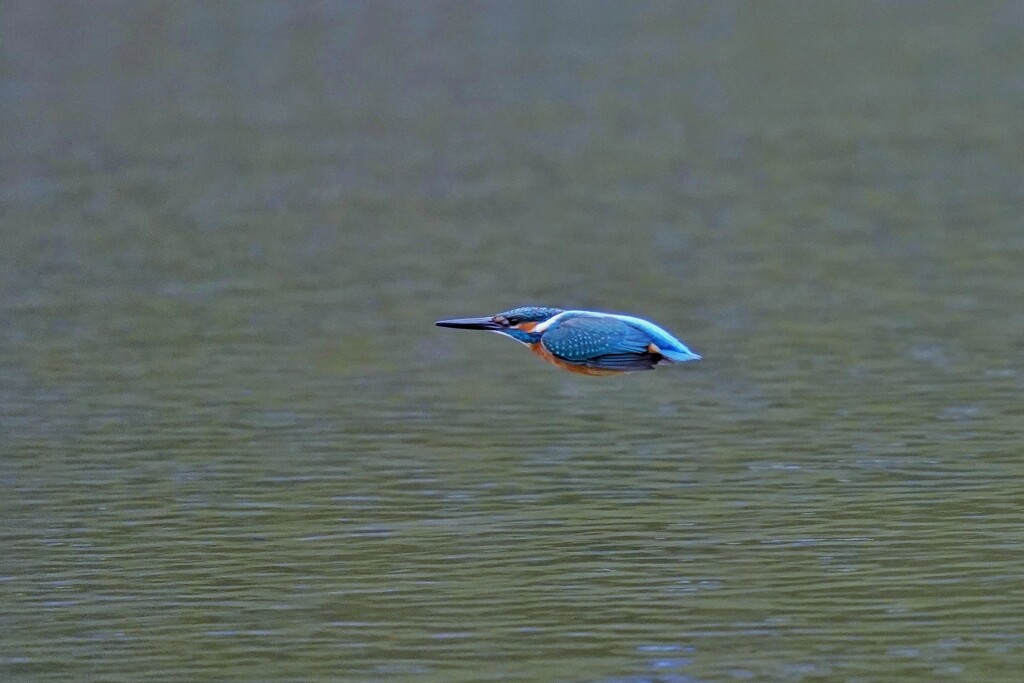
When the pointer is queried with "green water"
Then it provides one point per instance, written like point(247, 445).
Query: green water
point(234, 447)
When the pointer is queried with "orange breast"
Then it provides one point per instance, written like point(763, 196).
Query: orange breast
point(539, 350)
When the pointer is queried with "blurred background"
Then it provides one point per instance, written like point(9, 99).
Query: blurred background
point(234, 447)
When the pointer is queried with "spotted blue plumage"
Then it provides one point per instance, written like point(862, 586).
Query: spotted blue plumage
point(610, 341)
point(583, 338)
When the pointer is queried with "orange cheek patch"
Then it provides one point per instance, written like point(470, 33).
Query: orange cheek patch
point(525, 327)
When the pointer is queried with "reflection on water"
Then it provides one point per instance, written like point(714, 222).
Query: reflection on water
point(235, 447)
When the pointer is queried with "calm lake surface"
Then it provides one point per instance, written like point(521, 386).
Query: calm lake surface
point(234, 447)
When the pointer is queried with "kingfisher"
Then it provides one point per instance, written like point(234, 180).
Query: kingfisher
point(584, 342)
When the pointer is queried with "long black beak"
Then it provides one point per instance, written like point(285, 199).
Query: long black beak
point(469, 324)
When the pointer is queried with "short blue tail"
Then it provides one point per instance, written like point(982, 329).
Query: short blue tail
point(678, 355)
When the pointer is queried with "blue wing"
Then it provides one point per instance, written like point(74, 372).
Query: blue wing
point(625, 362)
point(670, 347)
point(600, 342)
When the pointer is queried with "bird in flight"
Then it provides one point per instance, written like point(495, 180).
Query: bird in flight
point(585, 342)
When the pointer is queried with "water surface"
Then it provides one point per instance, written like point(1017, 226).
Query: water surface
point(234, 447)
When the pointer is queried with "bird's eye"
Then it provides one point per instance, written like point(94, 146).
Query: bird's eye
point(513, 321)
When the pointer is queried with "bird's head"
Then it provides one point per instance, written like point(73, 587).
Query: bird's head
point(518, 323)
